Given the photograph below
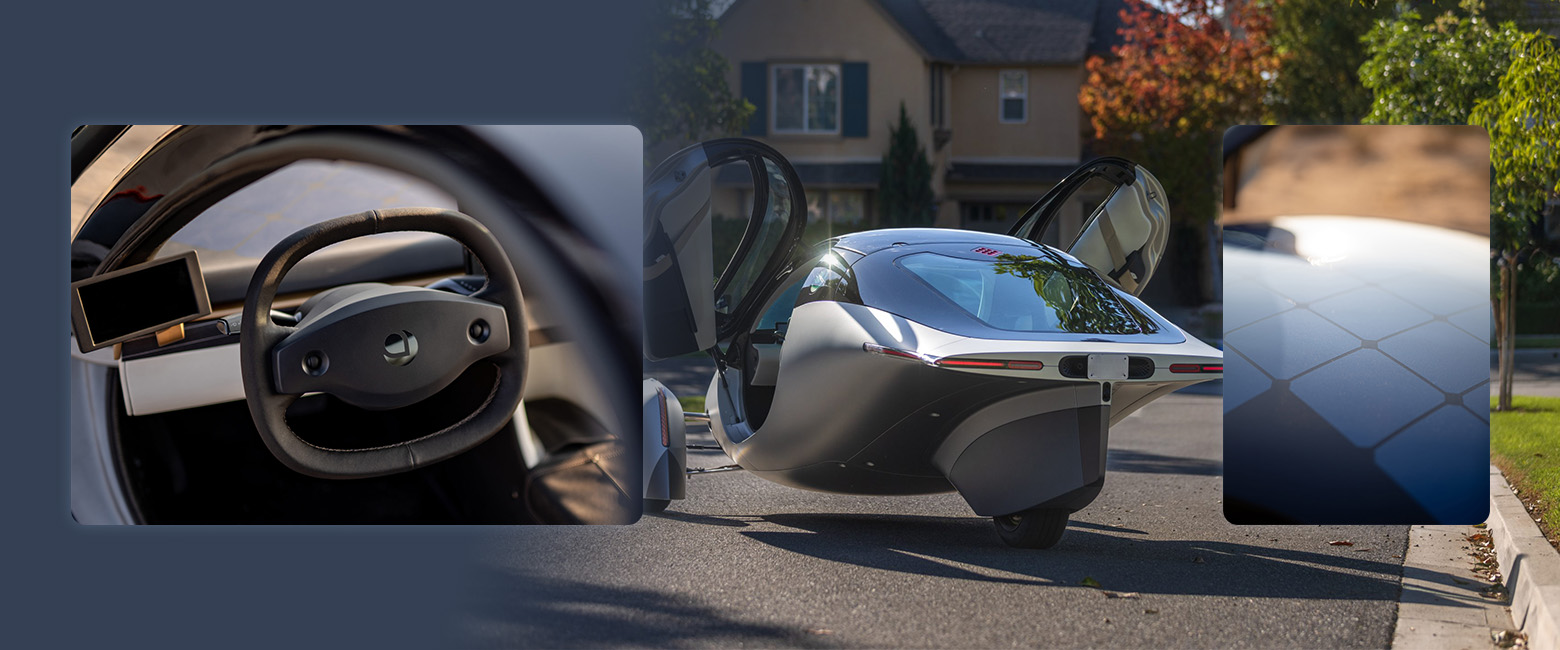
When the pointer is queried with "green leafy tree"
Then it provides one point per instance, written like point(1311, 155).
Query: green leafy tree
point(904, 195)
point(1523, 120)
point(1185, 70)
point(1434, 72)
point(1320, 50)
point(1460, 69)
point(681, 90)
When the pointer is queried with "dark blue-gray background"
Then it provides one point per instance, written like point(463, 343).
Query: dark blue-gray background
point(276, 62)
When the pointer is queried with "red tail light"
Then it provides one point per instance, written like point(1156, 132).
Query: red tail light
point(971, 363)
point(666, 427)
point(991, 363)
point(892, 352)
point(1184, 368)
point(996, 364)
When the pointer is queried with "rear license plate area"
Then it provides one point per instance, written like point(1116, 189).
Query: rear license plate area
point(1107, 367)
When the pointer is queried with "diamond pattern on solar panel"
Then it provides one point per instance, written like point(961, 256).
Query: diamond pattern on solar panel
point(1308, 340)
point(1251, 384)
point(1450, 358)
point(1478, 401)
point(1437, 295)
point(1451, 483)
point(1247, 302)
point(1366, 396)
point(1301, 282)
point(1370, 313)
point(1475, 321)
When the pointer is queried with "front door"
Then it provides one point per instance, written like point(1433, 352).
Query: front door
point(731, 202)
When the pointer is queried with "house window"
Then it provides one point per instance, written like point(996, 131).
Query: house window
point(843, 207)
point(805, 98)
point(1014, 96)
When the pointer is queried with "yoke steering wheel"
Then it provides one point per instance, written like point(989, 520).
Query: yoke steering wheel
point(381, 347)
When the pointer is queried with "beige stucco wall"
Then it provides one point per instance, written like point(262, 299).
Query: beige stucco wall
point(1051, 132)
point(831, 31)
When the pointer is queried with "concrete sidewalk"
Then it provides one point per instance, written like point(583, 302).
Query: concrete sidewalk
point(1528, 563)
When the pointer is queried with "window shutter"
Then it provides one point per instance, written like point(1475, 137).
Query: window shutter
point(853, 86)
point(755, 89)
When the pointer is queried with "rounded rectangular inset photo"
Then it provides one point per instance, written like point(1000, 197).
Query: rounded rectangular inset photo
point(862, 356)
point(355, 324)
point(1357, 325)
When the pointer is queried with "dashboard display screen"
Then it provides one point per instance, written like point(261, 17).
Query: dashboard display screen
point(138, 300)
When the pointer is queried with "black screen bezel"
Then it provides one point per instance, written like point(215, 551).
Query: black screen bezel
point(197, 287)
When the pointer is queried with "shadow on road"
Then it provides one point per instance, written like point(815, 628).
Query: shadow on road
point(1142, 462)
point(967, 548)
point(549, 612)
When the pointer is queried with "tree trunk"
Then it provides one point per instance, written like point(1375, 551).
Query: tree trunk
point(1508, 328)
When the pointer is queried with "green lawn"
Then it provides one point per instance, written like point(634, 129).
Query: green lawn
point(1525, 444)
point(694, 403)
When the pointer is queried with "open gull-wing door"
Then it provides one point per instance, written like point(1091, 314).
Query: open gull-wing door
point(687, 307)
point(1124, 233)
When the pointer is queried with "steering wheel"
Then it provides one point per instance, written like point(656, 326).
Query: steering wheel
point(381, 347)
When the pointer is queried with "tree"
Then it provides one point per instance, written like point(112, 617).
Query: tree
point(1434, 72)
point(1318, 43)
point(1523, 120)
point(904, 195)
point(1454, 70)
point(681, 90)
point(1182, 74)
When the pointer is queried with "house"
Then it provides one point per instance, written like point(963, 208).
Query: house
point(990, 85)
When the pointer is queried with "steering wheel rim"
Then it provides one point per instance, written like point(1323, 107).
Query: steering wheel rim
point(259, 339)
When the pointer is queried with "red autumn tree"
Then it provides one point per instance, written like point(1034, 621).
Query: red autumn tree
point(1184, 71)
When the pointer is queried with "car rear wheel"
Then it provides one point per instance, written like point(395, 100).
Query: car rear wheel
point(1033, 528)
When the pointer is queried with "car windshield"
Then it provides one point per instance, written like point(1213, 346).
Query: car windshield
point(1028, 293)
point(247, 223)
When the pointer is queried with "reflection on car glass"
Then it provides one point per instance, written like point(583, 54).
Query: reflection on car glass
point(771, 229)
point(1027, 293)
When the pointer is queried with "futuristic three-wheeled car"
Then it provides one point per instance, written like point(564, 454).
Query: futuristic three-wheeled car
point(911, 361)
point(280, 324)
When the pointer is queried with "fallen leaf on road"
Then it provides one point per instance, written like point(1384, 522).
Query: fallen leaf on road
point(1122, 594)
point(1507, 638)
point(1341, 542)
point(1091, 582)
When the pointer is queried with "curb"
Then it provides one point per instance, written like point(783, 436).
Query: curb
point(1530, 566)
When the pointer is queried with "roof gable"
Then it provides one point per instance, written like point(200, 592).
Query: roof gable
point(1008, 31)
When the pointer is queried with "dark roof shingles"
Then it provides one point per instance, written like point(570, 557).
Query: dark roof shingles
point(1008, 31)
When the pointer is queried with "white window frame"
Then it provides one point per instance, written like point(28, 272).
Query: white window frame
point(839, 106)
point(1002, 98)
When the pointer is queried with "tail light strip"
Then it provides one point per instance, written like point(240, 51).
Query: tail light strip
point(994, 364)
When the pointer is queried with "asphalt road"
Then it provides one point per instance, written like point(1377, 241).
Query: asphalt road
point(1537, 372)
point(743, 562)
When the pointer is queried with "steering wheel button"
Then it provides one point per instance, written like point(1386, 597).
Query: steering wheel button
point(315, 363)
